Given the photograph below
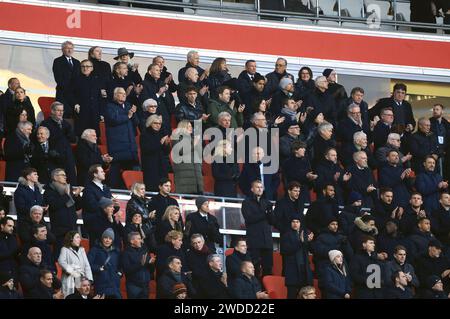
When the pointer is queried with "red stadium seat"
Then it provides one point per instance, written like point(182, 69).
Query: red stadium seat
point(102, 139)
point(123, 287)
point(277, 269)
point(229, 251)
point(274, 285)
point(316, 286)
point(208, 180)
point(103, 148)
point(152, 289)
point(44, 103)
point(131, 177)
point(85, 244)
point(311, 263)
point(58, 271)
point(2, 170)
point(172, 180)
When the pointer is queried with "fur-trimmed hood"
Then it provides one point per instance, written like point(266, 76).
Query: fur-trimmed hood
point(23, 181)
point(365, 228)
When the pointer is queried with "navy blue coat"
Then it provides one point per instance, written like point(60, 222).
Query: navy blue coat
point(427, 184)
point(233, 263)
point(245, 288)
point(166, 283)
point(25, 198)
point(319, 214)
point(408, 222)
point(320, 146)
point(9, 250)
point(135, 273)
point(358, 268)
point(285, 209)
point(91, 195)
point(390, 177)
point(225, 178)
point(327, 241)
point(296, 267)
point(326, 170)
point(258, 218)
point(407, 118)
point(48, 261)
point(441, 224)
point(196, 224)
point(295, 169)
point(64, 76)
point(99, 223)
point(335, 284)
point(380, 134)
point(211, 287)
point(347, 128)
point(62, 218)
point(361, 179)
point(88, 96)
point(323, 102)
point(29, 274)
point(420, 146)
point(164, 252)
point(121, 132)
point(159, 203)
point(17, 156)
point(87, 154)
point(250, 173)
point(107, 281)
point(346, 155)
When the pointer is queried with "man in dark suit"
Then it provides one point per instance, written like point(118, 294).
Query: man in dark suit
point(258, 216)
point(65, 69)
point(246, 77)
point(18, 151)
point(6, 99)
point(273, 78)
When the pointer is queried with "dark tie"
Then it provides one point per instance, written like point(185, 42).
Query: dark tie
point(44, 147)
point(60, 124)
point(70, 63)
point(251, 77)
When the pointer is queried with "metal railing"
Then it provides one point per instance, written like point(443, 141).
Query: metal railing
point(259, 13)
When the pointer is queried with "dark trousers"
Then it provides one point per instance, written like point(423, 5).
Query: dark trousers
point(115, 177)
point(292, 291)
point(136, 292)
point(262, 258)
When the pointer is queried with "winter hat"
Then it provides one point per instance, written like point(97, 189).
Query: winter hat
point(199, 201)
point(326, 73)
point(105, 202)
point(179, 288)
point(295, 217)
point(123, 51)
point(333, 254)
point(108, 233)
point(431, 281)
point(5, 276)
point(284, 82)
point(354, 197)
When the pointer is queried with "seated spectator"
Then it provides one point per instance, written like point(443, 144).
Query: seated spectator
point(106, 218)
point(225, 170)
point(104, 259)
point(297, 168)
point(400, 285)
point(383, 127)
point(84, 292)
point(362, 180)
point(330, 172)
point(258, 217)
point(204, 223)
point(352, 124)
point(18, 151)
point(121, 122)
point(290, 206)
point(9, 248)
point(13, 111)
point(7, 289)
point(155, 147)
point(47, 156)
point(233, 261)
point(390, 237)
point(430, 183)
point(74, 263)
point(329, 240)
point(87, 99)
point(395, 177)
point(364, 226)
point(434, 288)
point(171, 247)
point(364, 258)
point(197, 256)
point(47, 287)
point(412, 213)
point(187, 166)
point(359, 144)
point(174, 276)
point(247, 286)
point(137, 266)
point(162, 200)
point(322, 210)
point(321, 101)
point(88, 154)
point(422, 144)
point(214, 283)
point(30, 271)
point(41, 240)
point(27, 194)
point(171, 220)
point(294, 248)
point(336, 278)
point(441, 219)
point(307, 292)
point(222, 104)
point(420, 237)
point(63, 202)
point(61, 133)
point(433, 263)
point(190, 109)
point(398, 263)
point(393, 144)
point(135, 223)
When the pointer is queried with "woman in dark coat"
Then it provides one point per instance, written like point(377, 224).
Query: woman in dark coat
point(146, 229)
point(13, 111)
point(305, 83)
point(218, 74)
point(336, 278)
point(104, 261)
point(154, 152)
point(87, 94)
point(171, 220)
point(294, 250)
point(225, 174)
point(172, 247)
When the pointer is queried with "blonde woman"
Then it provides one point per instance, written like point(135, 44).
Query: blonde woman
point(225, 174)
point(74, 263)
point(172, 247)
point(187, 164)
point(171, 220)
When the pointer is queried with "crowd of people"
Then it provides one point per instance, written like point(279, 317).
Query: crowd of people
point(374, 183)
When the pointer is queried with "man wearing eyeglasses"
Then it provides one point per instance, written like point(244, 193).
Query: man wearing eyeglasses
point(274, 78)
